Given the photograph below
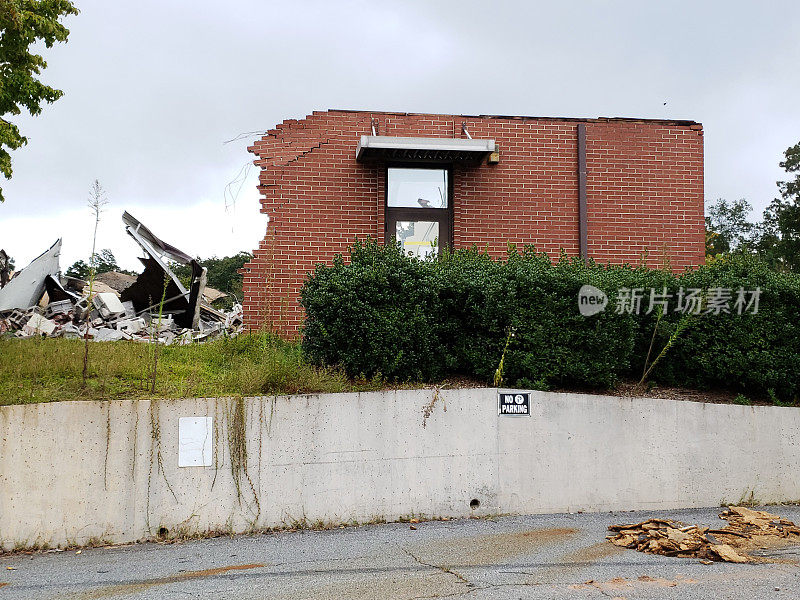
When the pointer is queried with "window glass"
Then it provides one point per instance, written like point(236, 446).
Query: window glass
point(418, 238)
point(417, 188)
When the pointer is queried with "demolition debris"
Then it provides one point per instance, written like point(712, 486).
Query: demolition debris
point(155, 306)
point(747, 530)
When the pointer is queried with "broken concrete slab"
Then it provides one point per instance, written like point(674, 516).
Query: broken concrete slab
point(105, 334)
point(108, 305)
point(58, 308)
point(18, 317)
point(70, 331)
point(131, 326)
point(38, 325)
point(27, 288)
point(130, 312)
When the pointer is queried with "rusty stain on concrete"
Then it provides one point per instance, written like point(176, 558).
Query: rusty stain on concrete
point(592, 553)
point(109, 591)
point(397, 586)
point(574, 560)
point(216, 571)
point(667, 582)
point(482, 550)
point(621, 583)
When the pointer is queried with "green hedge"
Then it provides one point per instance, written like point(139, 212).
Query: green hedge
point(387, 314)
point(380, 314)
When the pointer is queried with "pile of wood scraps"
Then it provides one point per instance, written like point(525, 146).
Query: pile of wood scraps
point(747, 530)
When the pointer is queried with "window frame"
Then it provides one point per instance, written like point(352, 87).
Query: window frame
point(442, 216)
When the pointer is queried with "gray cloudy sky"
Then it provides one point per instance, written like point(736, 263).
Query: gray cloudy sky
point(153, 89)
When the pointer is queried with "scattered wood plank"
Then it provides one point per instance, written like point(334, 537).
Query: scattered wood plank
point(747, 528)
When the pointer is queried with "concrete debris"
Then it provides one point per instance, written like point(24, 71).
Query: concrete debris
point(154, 306)
point(108, 305)
point(71, 332)
point(119, 282)
point(747, 530)
point(104, 334)
point(38, 325)
point(131, 326)
point(58, 308)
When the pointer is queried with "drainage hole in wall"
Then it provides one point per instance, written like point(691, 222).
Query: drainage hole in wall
point(475, 504)
point(163, 532)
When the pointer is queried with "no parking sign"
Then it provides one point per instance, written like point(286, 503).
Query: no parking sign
point(517, 404)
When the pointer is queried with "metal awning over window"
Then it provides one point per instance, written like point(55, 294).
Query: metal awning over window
point(455, 150)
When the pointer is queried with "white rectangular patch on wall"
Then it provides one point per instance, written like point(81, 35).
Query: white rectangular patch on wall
point(195, 441)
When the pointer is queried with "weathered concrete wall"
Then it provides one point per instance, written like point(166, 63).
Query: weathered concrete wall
point(72, 471)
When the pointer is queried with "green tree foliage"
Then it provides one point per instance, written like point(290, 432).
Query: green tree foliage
point(776, 239)
point(22, 24)
point(6, 267)
point(728, 227)
point(104, 261)
point(6, 261)
point(780, 239)
point(222, 273)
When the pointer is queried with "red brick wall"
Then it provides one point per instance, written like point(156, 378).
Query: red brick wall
point(644, 194)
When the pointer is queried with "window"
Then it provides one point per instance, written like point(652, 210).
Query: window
point(418, 209)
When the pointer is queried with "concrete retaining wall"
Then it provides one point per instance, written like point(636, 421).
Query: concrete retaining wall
point(73, 471)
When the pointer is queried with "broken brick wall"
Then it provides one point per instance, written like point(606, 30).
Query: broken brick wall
point(644, 194)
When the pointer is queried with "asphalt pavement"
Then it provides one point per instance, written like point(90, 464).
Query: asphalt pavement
point(545, 556)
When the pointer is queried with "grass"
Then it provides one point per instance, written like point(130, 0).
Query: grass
point(252, 364)
point(45, 370)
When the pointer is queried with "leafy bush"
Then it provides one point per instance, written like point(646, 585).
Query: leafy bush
point(403, 318)
point(527, 295)
point(380, 314)
point(749, 352)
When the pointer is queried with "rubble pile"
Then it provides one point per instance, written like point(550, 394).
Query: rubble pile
point(155, 306)
point(746, 530)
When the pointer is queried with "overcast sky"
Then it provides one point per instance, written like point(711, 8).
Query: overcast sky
point(154, 89)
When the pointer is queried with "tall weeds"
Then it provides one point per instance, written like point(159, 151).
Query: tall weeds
point(97, 200)
point(156, 329)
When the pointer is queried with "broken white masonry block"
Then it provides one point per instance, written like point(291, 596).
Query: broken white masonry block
point(109, 305)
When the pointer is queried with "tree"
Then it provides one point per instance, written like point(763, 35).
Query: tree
point(728, 227)
point(780, 230)
point(23, 23)
point(6, 267)
point(104, 262)
point(222, 273)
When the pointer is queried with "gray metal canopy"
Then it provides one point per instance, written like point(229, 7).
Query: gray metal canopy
point(383, 147)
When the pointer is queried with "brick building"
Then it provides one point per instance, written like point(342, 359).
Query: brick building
point(616, 190)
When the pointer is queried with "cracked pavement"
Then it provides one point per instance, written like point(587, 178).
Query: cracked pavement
point(544, 556)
